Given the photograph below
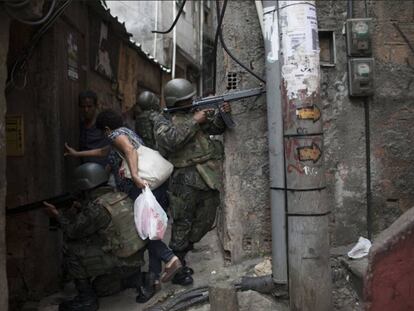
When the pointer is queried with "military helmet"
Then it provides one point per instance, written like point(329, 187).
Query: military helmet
point(90, 175)
point(178, 90)
point(148, 101)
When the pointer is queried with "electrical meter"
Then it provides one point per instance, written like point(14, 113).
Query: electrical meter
point(358, 36)
point(361, 76)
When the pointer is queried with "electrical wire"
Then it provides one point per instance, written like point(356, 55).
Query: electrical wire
point(16, 4)
point(220, 30)
point(21, 62)
point(175, 20)
point(216, 38)
point(30, 22)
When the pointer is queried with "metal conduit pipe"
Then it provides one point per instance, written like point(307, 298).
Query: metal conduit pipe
point(275, 138)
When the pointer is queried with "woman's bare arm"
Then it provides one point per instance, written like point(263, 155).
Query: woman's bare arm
point(100, 152)
point(123, 145)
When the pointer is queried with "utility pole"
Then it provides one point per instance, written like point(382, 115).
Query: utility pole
point(307, 208)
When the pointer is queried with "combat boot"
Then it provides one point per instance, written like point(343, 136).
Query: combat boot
point(85, 301)
point(183, 277)
point(148, 289)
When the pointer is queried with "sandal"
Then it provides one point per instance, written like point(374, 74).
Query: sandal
point(171, 268)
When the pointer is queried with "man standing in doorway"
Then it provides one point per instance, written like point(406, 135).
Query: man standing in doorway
point(194, 187)
point(89, 136)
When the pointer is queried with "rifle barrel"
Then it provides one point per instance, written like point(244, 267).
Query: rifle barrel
point(39, 204)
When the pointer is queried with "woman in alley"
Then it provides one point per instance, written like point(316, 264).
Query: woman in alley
point(125, 142)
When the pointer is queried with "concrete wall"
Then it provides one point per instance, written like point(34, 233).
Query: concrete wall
point(244, 226)
point(391, 116)
point(4, 43)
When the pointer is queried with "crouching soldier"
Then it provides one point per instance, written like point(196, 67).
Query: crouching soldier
point(99, 238)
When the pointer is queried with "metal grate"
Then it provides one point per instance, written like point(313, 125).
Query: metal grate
point(232, 80)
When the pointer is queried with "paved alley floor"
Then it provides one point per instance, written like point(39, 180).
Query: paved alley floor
point(209, 269)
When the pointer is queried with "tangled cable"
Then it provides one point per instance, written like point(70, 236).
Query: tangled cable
point(219, 34)
point(21, 62)
point(9, 6)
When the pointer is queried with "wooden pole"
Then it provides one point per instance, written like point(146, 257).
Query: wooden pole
point(307, 208)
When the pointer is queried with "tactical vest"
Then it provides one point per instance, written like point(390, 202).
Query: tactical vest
point(122, 236)
point(199, 149)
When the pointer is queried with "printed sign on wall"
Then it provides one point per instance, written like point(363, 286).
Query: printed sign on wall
point(72, 57)
point(14, 135)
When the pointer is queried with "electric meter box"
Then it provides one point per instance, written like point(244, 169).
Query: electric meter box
point(358, 36)
point(361, 76)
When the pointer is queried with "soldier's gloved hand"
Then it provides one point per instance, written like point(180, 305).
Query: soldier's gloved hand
point(226, 107)
point(200, 116)
point(50, 210)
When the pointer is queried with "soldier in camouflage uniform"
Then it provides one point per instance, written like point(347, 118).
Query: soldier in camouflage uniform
point(194, 187)
point(100, 238)
point(150, 107)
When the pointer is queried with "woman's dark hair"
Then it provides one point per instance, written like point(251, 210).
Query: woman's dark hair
point(109, 118)
point(88, 94)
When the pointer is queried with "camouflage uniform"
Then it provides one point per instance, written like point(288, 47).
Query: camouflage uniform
point(144, 125)
point(196, 180)
point(102, 237)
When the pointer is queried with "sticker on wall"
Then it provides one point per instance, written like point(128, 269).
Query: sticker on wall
point(72, 57)
point(309, 153)
point(103, 60)
point(309, 113)
point(14, 135)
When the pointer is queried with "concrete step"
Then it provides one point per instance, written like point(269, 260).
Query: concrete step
point(357, 269)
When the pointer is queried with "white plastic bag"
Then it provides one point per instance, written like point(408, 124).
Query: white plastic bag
point(150, 219)
point(361, 249)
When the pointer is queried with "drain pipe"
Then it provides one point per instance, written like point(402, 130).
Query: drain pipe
point(275, 138)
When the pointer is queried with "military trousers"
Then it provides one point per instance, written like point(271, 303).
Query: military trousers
point(193, 209)
point(83, 260)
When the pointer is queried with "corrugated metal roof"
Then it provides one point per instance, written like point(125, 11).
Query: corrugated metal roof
point(100, 7)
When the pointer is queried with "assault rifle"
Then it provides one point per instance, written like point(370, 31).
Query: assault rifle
point(59, 201)
point(216, 101)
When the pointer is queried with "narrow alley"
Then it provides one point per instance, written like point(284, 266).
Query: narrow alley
point(217, 155)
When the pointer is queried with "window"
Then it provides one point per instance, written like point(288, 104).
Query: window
point(327, 46)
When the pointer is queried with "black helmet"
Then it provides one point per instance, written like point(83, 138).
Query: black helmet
point(90, 175)
point(148, 101)
point(178, 90)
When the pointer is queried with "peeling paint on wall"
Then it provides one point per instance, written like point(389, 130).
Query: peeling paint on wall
point(300, 47)
point(271, 34)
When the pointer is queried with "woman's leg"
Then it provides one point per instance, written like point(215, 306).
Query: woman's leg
point(161, 195)
point(158, 251)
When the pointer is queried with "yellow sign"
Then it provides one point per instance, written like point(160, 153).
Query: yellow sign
point(14, 135)
point(309, 113)
point(309, 153)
